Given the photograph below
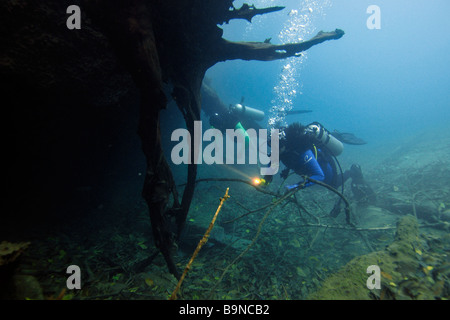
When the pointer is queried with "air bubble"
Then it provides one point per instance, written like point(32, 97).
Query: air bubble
point(296, 28)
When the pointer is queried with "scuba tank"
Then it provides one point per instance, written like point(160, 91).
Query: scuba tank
point(324, 138)
point(247, 112)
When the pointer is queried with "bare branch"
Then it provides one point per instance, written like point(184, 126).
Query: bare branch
point(248, 12)
point(267, 52)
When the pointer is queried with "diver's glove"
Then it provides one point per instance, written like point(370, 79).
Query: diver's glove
point(297, 185)
point(291, 187)
point(265, 180)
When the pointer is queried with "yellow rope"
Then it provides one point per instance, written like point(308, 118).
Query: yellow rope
point(199, 246)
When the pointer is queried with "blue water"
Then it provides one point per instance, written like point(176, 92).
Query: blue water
point(381, 84)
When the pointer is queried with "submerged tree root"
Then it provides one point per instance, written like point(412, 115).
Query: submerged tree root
point(301, 186)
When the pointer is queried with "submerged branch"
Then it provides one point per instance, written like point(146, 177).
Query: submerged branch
point(262, 51)
point(237, 180)
point(347, 204)
point(199, 246)
point(306, 179)
point(258, 231)
point(247, 12)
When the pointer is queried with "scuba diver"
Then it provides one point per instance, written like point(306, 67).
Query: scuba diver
point(240, 116)
point(311, 151)
point(222, 116)
point(236, 117)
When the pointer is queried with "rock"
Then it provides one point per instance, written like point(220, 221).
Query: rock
point(396, 263)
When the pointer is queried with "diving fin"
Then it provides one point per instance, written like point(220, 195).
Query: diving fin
point(293, 112)
point(348, 138)
point(336, 208)
point(297, 112)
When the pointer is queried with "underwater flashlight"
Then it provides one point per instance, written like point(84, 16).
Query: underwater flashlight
point(258, 181)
